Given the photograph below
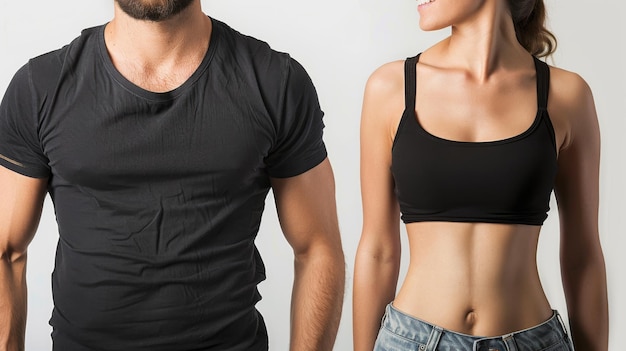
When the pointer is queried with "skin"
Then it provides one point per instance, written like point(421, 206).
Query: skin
point(478, 278)
point(20, 210)
point(160, 56)
point(312, 230)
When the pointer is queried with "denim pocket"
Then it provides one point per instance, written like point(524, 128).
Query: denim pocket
point(562, 345)
point(389, 341)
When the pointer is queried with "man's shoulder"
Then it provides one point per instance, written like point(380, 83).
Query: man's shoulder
point(52, 62)
point(247, 47)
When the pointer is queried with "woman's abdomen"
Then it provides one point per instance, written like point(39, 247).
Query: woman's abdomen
point(474, 278)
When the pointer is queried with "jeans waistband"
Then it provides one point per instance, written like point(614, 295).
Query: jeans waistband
point(433, 337)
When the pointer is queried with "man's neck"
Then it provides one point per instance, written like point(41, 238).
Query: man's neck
point(158, 56)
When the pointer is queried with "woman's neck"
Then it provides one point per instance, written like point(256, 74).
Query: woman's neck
point(484, 43)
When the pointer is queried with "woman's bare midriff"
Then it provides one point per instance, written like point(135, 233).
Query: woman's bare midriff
point(474, 278)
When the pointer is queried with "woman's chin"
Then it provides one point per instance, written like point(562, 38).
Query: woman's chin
point(429, 26)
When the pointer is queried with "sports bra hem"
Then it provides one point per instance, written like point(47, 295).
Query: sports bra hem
point(470, 220)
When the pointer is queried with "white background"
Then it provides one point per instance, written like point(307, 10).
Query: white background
point(340, 43)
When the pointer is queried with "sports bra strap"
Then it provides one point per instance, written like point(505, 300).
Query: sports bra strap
point(543, 83)
point(409, 82)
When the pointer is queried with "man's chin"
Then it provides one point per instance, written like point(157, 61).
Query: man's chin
point(153, 11)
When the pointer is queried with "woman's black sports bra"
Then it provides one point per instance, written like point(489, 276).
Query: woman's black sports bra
point(505, 181)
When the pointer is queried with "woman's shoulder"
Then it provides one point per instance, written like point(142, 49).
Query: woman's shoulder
point(569, 92)
point(567, 85)
point(383, 101)
point(570, 103)
point(387, 79)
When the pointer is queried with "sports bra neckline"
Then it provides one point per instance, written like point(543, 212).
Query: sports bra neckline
point(410, 90)
point(437, 179)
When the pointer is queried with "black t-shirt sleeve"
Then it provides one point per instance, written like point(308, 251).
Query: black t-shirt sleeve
point(20, 149)
point(299, 145)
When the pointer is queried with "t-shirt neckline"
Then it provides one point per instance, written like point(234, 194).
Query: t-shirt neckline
point(158, 96)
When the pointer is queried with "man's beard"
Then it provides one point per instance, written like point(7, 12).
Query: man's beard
point(153, 10)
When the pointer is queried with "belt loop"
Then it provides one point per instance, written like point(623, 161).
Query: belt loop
point(558, 316)
point(433, 339)
point(510, 343)
point(385, 315)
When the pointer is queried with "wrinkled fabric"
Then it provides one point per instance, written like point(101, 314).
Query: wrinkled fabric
point(159, 196)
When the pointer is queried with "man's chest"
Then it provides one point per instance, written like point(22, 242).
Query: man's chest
point(97, 141)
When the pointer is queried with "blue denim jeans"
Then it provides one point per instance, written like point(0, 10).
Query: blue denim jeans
point(401, 332)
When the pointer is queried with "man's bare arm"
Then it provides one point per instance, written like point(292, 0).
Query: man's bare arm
point(308, 217)
point(21, 202)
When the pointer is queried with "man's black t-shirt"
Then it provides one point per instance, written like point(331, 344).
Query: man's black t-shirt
point(158, 196)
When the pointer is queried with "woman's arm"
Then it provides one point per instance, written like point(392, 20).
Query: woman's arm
point(378, 255)
point(577, 193)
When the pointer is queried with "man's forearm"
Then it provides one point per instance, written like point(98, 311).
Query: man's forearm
point(317, 299)
point(12, 302)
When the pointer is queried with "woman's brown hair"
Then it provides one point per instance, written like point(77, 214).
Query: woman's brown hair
point(529, 18)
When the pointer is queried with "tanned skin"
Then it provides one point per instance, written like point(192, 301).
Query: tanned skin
point(160, 56)
point(479, 278)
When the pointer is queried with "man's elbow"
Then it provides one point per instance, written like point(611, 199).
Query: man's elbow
point(325, 256)
point(10, 255)
point(322, 251)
